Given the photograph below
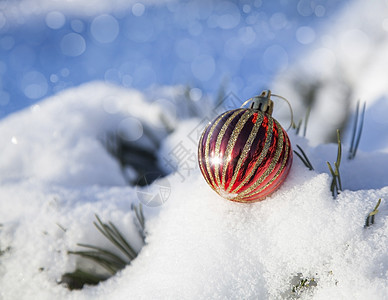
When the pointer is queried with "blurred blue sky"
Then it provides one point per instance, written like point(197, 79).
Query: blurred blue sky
point(199, 43)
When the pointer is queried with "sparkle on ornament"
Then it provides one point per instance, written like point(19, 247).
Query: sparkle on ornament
point(216, 160)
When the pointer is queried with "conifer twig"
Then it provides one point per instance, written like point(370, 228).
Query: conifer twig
point(306, 119)
point(356, 134)
point(336, 184)
point(303, 157)
point(110, 261)
point(297, 126)
point(370, 219)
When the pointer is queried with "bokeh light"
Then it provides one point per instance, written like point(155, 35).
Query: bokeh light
point(105, 28)
point(47, 48)
point(73, 44)
point(55, 19)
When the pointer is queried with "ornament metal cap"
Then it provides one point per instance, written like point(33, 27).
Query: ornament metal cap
point(263, 102)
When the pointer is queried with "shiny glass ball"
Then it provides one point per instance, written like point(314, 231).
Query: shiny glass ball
point(244, 155)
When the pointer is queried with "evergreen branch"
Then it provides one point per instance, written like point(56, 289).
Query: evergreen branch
point(300, 284)
point(61, 227)
point(339, 152)
point(356, 135)
point(95, 256)
point(115, 238)
point(139, 214)
point(338, 175)
point(106, 253)
point(306, 120)
point(336, 183)
point(297, 126)
point(351, 150)
point(140, 219)
point(77, 279)
point(128, 249)
point(107, 259)
point(3, 251)
point(303, 157)
point(370, 219)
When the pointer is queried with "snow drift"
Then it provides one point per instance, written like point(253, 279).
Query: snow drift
point(56, 174)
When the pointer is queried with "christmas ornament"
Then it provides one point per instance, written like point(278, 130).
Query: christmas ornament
point(245, 154)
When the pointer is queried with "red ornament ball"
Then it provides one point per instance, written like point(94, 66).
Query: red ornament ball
point(245, 154)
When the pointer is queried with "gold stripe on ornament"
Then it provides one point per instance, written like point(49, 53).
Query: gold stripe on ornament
point(232, 141)
point(263, 153)
point(200, 153)
point(218, 144)
point(207, 148)
point(272, 165)
point(279, 171)
point(246, 149)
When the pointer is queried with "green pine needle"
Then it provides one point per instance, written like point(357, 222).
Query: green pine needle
point(111, 261)
point(301, 284)
point(116, 238)
point(306, 119)
point(140, 219)
point(77, 279)
point(297, 126)
point(303, 157)
point(336, 183)
point(370, 219)
point(356, 134)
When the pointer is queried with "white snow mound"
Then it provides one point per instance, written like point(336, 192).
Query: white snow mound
point(55, 174)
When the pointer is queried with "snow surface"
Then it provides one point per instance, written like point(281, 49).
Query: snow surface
point(56, 173)
point(347, 63)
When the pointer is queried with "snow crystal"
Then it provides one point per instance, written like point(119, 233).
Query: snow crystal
point(60, 162)
point(199, 245)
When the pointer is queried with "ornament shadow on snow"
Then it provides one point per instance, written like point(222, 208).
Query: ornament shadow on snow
point(244, 154)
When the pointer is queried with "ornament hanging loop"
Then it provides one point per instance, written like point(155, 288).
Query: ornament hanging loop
point(291, 112)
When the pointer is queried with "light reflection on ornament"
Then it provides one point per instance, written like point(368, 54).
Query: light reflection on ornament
point(258, 151)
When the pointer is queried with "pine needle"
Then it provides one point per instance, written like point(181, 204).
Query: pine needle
point(114, 238)
point(336, 184)
point(303, 157)
point(301, 284)
point(297, 126)
point(111, 261)
point(356, 134)
point(140, 219)
point(370, 219)
point(77, 279)
point(306, 119)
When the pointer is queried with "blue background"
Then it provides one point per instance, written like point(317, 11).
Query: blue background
point(240, 45)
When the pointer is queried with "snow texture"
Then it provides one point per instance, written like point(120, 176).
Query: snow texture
point(346, 64)
point(56, 174)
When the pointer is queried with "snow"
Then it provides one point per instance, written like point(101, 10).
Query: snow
point(346, 64)
point(56, 174)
